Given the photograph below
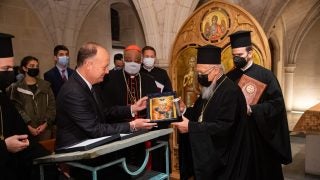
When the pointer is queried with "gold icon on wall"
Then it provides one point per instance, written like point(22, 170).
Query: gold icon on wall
point(215, 24)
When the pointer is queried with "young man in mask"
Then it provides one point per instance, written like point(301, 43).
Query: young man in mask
point(267, 119)
point(214, 141)
point(163, 83)
point(118, 62)
point(16, 149)
point(160, 75)
point(60, 72)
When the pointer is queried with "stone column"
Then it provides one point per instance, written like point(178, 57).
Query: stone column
point(288, 85)
point(161, 21)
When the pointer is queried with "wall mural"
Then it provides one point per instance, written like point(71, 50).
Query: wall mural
point(211, 23)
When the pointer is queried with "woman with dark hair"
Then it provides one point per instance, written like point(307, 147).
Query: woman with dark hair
point(34, 100)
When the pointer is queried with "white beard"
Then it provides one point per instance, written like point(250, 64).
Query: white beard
point(206, 92)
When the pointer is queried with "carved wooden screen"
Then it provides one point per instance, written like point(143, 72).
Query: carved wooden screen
point(212, 23)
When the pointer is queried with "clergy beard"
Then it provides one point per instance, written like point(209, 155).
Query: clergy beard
point(206, 92)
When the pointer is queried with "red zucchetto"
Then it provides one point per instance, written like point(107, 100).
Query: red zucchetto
point(133, 47)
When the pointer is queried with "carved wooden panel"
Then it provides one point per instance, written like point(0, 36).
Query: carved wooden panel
point(212, 23)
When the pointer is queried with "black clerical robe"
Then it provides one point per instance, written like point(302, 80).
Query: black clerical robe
point(161, 76)
point(16, 165)
point(219, 146)
point(121, 89)
point(268, 125)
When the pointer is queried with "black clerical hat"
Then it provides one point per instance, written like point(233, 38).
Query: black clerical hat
point(240, 39)
point(6, 45)
point(209, 54)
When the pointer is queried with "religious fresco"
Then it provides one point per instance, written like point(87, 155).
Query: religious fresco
point(215, 24)
point(189, 85)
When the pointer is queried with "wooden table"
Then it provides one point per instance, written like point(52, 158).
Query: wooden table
point(72, 157)
point(309, 123)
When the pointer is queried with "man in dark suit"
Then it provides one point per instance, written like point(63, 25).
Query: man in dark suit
point(80, 115)
point(60, 72)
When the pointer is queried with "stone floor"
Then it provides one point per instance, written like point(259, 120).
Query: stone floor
point(296, 170)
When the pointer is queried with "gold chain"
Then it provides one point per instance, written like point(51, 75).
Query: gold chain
point(132, 98)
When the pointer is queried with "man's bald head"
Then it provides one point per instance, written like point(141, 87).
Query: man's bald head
point(93, 62)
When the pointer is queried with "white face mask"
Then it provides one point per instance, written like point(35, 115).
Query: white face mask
point(148, 62)
point(132, 68)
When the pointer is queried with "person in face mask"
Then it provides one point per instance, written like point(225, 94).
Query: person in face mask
point(118, 62)
point(127, 86)
point(160, 75)
point(34, 100)
point(60, 72)
point(272, 147)
point(216, 124)
point(163, 83)
point(17, 149)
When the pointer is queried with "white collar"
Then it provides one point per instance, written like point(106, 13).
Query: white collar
point(87, 82)
point(248, 65)
point(60, 68)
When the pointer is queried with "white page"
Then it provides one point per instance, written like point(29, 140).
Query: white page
point(125, 134)
point(89, 141)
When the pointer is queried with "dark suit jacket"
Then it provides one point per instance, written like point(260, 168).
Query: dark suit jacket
point(54, 77)
point(79, 116)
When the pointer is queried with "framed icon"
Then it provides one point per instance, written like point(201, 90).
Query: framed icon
point(162, 108)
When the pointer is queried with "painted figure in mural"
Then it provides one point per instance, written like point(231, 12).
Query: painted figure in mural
point(213, 31)
point(190, 85)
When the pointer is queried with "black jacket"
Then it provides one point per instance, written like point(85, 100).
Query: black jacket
point(268, 125)
point(80, 117)
point(114, 90)
point(16, 165)
point(161, 76)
